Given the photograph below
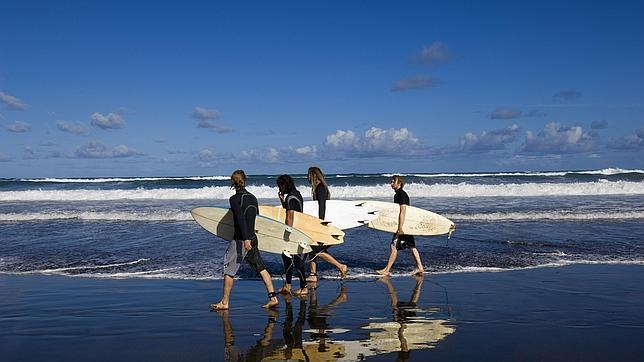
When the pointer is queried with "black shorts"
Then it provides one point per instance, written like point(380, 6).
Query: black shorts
point(402, 242)
point(254, 258)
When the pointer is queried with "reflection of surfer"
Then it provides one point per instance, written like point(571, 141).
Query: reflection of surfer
point(292, 201)
point(293, 332)
point(400, 240)
point(232, 353)
point(265, 345)
point(244, 244)
point(403, 311)
point(318, 315)
point(321, 193)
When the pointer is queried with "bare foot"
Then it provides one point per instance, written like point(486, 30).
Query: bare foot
point(272, 303)
point(383, 272)
point(301, 292)
point(418, 272)
point(285, 290)
point(219, 306)
point(344, 270)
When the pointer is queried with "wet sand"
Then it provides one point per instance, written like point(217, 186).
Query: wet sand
point(580, 312)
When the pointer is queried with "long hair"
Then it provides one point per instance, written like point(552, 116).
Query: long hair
point(238, 179)
point(398, 178)
point(285, 184)
point(316, 177)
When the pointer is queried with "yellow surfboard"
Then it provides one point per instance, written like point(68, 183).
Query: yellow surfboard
point(321, 232)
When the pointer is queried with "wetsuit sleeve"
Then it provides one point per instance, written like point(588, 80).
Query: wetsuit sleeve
point(238, 214)
point(321, 195)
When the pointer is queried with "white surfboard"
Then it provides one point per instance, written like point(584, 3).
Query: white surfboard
point(272, 236)
point(343, 214)
point(417, 221)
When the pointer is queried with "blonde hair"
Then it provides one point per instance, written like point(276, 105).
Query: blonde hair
point(238, 179)
point(398, 178)
point(316, 177)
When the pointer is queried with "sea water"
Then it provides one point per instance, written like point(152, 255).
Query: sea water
point(140, 227)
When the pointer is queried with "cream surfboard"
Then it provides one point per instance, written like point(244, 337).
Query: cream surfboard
point(321, 232)
point(343, 214)
point(417, 221)
point(272, 236)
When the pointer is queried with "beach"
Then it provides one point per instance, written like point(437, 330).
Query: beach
point(579, 312)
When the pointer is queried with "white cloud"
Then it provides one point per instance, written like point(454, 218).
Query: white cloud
point(12, 102)
point(505, 113)
point(110, 121)
point(557, 139)
point(566, 95)
point(375, 142)
point(489, 140)
point(208, 118)
point(77, 128)
point(342, 140)
point(415, 82)
point(435, 52)
point(630, 142)
point(18, 127)
point(96, 149)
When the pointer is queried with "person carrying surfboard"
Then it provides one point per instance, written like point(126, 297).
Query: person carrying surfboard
point(320, 193)
point(244, 244)
point(292, 201)
point(400, 240)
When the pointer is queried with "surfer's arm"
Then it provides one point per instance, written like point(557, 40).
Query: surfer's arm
point(289, 217)
point(401, 218)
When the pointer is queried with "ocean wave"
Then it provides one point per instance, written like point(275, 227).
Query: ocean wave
point(177, 215)
point(125, 179)
point(461, 190)
point(547, 215)
point(604, 172)
point(96, 216)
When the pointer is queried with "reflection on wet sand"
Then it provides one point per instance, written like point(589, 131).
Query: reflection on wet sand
point(411, 327)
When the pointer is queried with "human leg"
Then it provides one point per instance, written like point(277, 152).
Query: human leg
point(288, 270)
point(225, 299)
point(392, 258)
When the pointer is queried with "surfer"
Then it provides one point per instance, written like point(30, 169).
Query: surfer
point(244, 244)
point(401, 241)
point(292, 201)
point(320, 193)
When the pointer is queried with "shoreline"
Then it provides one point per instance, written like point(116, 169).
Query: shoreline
point(579, 312)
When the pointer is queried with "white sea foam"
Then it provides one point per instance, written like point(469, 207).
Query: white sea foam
point(546, 215)
point(85, 267)
point(125, 179)
point(605, 172)
point(601, 187)
point(94, 215)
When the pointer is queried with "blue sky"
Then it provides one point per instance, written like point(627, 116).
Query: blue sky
point(111, 88)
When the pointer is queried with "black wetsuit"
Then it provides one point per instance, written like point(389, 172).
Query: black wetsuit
point(404, 241)
point(244, 207)
point(293, 200)
point(320, 194)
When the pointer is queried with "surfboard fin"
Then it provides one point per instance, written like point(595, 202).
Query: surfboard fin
point(325, 223)
point(287, 254)
point(451, 230)
point(360, 204)
point(336, 237)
